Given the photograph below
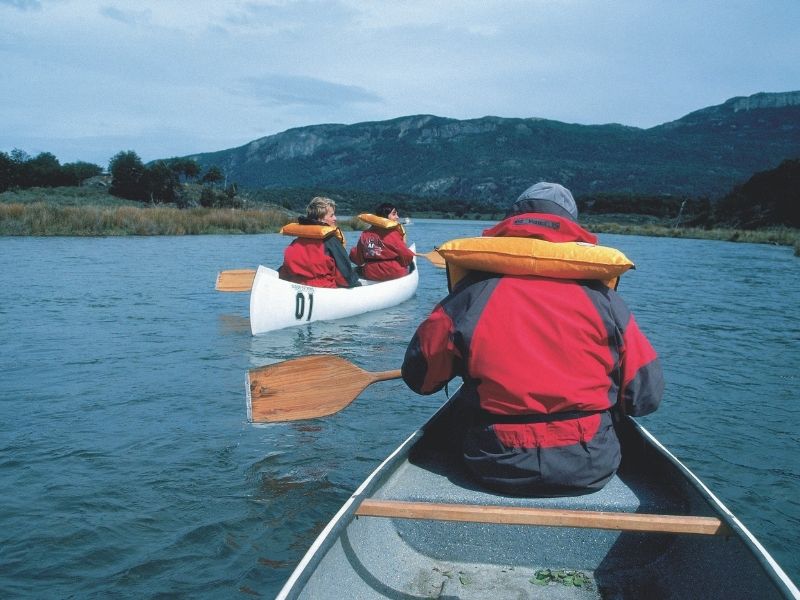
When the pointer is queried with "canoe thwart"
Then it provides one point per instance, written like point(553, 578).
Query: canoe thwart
point(518, 515)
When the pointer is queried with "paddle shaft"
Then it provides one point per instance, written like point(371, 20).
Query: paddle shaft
point(385, 375)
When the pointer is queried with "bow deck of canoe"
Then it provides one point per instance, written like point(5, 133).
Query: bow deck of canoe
point(655, 531)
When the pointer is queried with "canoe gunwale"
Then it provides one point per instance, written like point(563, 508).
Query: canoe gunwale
point(761, 554)
point(340, 521)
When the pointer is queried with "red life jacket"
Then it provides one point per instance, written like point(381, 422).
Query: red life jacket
point(308, 259)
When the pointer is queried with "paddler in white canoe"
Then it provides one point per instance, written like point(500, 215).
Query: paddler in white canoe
point(381, 253)
point(317, 256)
point(317, 282)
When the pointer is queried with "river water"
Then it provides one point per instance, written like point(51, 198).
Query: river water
point(128, 470)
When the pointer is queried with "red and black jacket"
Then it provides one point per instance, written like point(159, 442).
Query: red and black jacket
point(382, 253)
point(543, 361)
point(318, 262)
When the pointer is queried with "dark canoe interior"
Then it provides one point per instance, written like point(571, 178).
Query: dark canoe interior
point(374, 557)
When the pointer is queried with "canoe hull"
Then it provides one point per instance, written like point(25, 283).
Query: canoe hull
point(374, 557)
point(276, 304)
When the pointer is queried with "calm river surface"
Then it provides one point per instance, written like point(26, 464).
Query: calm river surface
point(128, 470)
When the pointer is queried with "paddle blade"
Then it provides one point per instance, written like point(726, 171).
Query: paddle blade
point(436, 259)
point(306, 388)
point(235, 280)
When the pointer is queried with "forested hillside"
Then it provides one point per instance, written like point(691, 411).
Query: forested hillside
point(489, 160)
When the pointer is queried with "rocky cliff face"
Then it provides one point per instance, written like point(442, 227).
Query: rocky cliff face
point(492, 158)
point(764, 101)
point(773, 105)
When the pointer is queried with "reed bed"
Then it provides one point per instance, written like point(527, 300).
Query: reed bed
point(48, 219)
point(780, 236)
point(43, 219)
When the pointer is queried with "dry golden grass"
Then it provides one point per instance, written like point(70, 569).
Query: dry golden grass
point(44, 219)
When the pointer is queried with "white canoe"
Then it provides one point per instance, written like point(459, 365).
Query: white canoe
point(275, 303)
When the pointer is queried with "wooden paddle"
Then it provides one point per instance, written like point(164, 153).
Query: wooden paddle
point(306, 388)
point(435, 258)
point(235, 280)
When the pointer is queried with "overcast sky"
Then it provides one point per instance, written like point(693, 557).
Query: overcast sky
point(85, 79)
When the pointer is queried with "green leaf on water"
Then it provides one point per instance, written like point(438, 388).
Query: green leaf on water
point(562, 576)
point(464, 580)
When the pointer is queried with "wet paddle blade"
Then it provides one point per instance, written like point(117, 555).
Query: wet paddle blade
point(436, 259)
point(235, 280)
point(306, 388)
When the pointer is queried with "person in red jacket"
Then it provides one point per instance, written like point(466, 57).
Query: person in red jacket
point(317, 257)
point(381, 252)
point(547, 365)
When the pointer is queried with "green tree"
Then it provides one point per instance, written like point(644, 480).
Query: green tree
point(128, 176)
point(231, 198)
point(8, 172)
point(43, 170)
point(19, 156)
point(184, 167)
point(207, 197)
point(161, 182)
point(77, 172)
point(213, 175)
point(767, 199)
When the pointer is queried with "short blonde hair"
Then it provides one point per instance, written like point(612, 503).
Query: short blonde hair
point(318, 207)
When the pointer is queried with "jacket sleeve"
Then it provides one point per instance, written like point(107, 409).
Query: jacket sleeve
point(346, 275)
point(431, 358)
point(642, 385)
point(356, 256)
point(395, 242)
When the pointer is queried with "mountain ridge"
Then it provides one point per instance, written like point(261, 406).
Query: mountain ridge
point(702, 154)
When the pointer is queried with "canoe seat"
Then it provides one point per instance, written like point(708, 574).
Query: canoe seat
point(440, 478)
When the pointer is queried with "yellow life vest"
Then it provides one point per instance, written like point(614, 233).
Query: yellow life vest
point(382, 222)
point(314, 232)
point(529, 256)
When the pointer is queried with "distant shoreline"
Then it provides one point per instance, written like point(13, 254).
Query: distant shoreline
point(78, 216)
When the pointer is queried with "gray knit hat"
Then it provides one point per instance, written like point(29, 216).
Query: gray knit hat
point(544, 197)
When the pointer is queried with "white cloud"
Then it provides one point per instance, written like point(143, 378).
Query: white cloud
point(131, 17)
point(291, 90)
point(168, 78)
point(23, 4)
